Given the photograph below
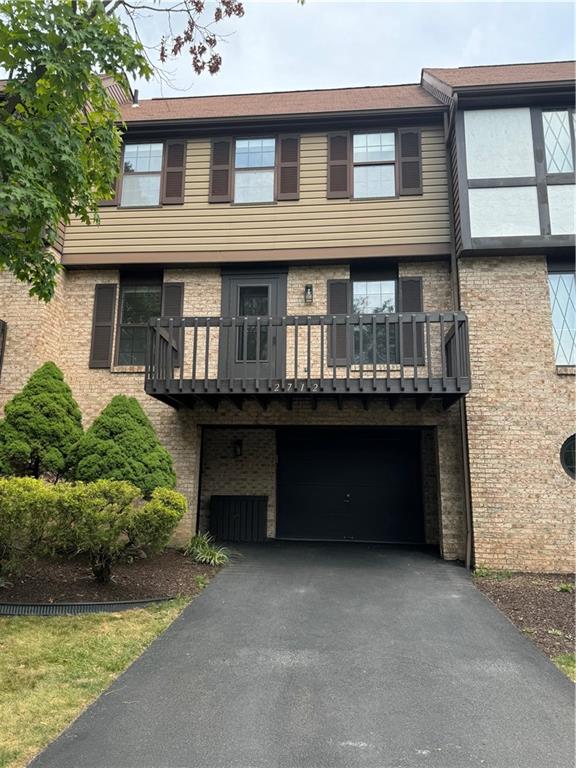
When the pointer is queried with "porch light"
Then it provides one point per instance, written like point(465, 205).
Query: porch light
point(308, 293)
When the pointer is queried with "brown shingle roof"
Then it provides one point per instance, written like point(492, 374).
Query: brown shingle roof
point(281, 103)
point(505, 74)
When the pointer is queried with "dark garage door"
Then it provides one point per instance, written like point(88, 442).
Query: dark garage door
point(350, 484)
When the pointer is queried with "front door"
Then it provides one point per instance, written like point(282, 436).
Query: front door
point(250, 351)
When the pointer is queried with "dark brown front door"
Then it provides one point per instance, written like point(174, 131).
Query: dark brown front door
point(253, 351)
point(350, 484)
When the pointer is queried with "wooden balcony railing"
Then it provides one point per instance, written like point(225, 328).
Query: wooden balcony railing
point(389, 354)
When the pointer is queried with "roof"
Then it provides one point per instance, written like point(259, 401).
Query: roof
point(505, 74)
point(377, 98)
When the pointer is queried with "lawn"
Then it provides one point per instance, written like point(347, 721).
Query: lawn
point(52, 668)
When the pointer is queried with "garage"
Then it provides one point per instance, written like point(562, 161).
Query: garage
point(347, 484)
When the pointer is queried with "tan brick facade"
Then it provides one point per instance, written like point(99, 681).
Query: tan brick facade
point(519, 412)
point(61, 331)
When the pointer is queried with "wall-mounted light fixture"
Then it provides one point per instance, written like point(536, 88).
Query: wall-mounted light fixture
point(237, 447)
point(308, 294)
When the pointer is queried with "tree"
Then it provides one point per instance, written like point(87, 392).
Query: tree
point(121, 444)
point(60, 132)
point(42, 423)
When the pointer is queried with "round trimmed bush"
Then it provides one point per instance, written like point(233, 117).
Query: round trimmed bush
point(121, 444)
point(41, 425)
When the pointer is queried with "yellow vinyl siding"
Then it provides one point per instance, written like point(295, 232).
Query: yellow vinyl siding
point(310, 222)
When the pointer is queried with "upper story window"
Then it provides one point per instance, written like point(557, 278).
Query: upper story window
point(563, 303)
point(141, 174)
point(140, 299)
point(254, 165)
point(374, 165)
point(559, 140)
point(255, 170)
point(374, 156)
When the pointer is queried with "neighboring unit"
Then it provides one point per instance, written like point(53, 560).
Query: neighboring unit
point(348, 313)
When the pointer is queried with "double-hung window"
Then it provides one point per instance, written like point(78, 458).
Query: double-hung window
point(563, 303)
point(141, 174)
point(374, 158)
point(254, 164)
point(374, 297)
point(140, 299)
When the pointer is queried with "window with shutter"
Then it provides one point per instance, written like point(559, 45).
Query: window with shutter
point(374, 159)
point(174, 172)
point(102, 326)
point(410, 161)
point(141, 175)
point(220, 171)
point(140, 300)
point(254, 166)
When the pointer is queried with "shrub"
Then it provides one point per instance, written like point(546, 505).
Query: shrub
point(26, 507)
point(203, 550)
point(121, 445)
point(42, 423)
point(105, 518)
point(152, 523)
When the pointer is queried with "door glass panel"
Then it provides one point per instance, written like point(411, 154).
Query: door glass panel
point(253, 301)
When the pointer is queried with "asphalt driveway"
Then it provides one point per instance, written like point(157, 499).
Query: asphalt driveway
point(329, 656)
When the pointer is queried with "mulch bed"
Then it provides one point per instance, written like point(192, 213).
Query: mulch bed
point(170, 574)
point(532, 603)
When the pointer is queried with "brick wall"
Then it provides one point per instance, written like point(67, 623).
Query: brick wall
point(61, 331)
point(519, 413)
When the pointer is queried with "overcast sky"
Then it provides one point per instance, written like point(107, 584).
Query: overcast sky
point(280, 45)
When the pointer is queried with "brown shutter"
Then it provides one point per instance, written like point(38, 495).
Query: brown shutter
point(173, 306)
point(102, 325)
point(116, 199)
point(410, 300)
point(339, 303)
point(338, 165)
point(172, 299)
point(288, 168)
point(410, 150)
point(221, 171)
point(174, 172)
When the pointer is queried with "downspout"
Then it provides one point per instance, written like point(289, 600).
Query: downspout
point(456, 298)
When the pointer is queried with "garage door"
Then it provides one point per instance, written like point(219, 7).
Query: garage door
point(350, 484)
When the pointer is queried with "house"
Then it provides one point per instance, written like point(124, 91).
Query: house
point(348, 313)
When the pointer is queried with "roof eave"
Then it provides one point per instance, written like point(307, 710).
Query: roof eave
point(226, 123)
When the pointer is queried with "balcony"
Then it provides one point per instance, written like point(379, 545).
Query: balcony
point(421, 356)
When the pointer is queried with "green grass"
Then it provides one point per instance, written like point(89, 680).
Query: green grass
point(565, 587)
point(482, 572)
point(567, 663)
point(52, 668)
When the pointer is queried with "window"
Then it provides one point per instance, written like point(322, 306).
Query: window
point(142, 172)
point(559, 141)
point(254, 164)
point(139, 301)
point(370, 297)
point(563, 302)
point(253, 301)
point(568, 456)
point(374, 156)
